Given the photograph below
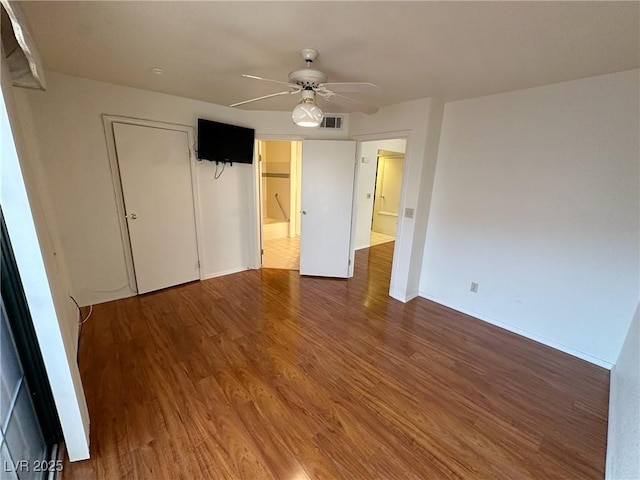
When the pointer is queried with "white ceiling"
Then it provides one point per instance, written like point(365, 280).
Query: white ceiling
point(452, 50)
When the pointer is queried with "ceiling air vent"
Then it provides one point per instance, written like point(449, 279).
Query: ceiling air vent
point(332, 122)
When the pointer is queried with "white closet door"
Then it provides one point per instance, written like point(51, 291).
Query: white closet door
point(155, 171)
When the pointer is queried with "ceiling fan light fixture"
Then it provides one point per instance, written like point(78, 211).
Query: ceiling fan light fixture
point(308, 82)
point(307, 113)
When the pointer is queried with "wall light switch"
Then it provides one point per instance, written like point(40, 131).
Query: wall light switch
point(408, 212)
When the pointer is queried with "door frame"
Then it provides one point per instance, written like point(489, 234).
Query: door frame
point(294, 191)
point(108, 121)
point(400, 231)
point(257, 191)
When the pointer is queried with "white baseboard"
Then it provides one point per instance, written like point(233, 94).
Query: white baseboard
point(525, 333)
point(403, 297)
point(226, 272)
point(104, 297)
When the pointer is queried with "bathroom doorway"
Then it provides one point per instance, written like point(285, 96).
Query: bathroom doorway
point(378, 191)
point(280, 168)
point(388, 188)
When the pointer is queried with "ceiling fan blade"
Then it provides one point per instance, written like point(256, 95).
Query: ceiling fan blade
point(255, 77)
point(263, 97)
point(350, 103)
point(351, 87)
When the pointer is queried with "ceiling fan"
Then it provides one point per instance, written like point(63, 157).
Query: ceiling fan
point(311, 83)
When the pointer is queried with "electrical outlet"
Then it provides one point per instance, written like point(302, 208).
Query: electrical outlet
point(474, 287)
point(408, 212)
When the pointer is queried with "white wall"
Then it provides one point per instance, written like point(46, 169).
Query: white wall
point(536, 199)
point(419, 122)
point(70, 135)
point(42, 268)
point(366, 185)
point(623, 440)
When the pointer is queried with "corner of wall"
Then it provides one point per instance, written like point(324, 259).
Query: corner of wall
point(434, 127)
point(46, 225)
point(623, 439)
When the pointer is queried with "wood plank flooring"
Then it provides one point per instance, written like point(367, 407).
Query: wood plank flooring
point(266, 375)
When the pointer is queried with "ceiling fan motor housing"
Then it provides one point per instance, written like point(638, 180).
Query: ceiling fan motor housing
point(307, 77)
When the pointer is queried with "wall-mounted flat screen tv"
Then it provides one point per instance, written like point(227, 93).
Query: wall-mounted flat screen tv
point(220, 142)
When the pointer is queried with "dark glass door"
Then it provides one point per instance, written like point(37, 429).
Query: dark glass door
point(24, 450)
point(29, 425)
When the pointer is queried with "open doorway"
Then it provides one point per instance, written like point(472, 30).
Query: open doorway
point(378, 191)
point(386, 203)
point(280, 198)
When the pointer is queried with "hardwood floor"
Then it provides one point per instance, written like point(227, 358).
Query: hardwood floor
point(266, 375)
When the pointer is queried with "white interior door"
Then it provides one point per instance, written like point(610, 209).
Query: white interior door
point(155, 171)
point(328, 168)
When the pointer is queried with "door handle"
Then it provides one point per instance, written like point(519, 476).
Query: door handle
point(304, 212)
point(133, 216)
